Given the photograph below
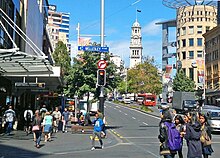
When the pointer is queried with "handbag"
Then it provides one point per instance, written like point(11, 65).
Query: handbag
point(35, 128)
point(205, 139)
point(164, 150)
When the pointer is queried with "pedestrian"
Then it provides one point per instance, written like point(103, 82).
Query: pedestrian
point(65, 119)
point(179, 122)
point(9, 117)
point(43, 111)
point(37, 128)
point(28, 116)
point(47, 126)
point(192, 136)
point(56, 118)
point(206, 136)
point(98, 123)
point(166, 117)
point(101, 116)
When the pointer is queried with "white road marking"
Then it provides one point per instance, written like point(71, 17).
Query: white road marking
point(119, 110)
point(126, 114)
point(134, 118)
point(145, 123)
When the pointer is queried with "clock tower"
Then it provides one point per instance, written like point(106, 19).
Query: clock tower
point(135, 45)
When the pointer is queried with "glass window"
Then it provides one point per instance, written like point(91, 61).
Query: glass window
point(191, 42)
point(199, 41)
point(191, 73)
point(199, 54)
point(199, 29)
point(191, 54)
point(184, 55)
point(183, 30)
point(184, 42)
point(191, 30)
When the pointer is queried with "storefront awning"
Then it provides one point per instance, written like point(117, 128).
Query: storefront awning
point(14, 62)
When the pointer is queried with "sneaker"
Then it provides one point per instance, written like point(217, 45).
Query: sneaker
point(102, 146)
point(93, 148)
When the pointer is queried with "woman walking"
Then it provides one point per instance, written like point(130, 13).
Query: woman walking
point(192, 136)
point(205, 137)
point(37, 128)
point(47, 122)
point(179, 122)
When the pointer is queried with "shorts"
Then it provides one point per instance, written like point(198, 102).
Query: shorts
point(47, 128)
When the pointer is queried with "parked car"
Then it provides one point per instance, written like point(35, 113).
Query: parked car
point(127, 100)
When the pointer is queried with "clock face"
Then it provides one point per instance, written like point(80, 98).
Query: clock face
point(135, 41)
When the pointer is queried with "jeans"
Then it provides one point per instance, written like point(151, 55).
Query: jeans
point(38, 137)
point(169, 156)
point(9, 127)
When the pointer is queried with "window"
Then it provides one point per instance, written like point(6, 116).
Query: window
point(183, 30)
point(191, 73)
point(199, 54)
point(184, 55)
point(199, 41)
point(191, 42)
point(191, 30)
point(184, 42)
point(199, 29)
point(191, 54)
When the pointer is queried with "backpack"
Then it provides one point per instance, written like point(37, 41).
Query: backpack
point(174, 141)
point(28, 115)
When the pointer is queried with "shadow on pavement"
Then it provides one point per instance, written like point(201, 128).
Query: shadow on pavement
point(113, 127)
point(14, 152)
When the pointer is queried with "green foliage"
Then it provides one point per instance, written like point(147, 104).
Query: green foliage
point(82, 76)
point(144, 78)
point(183, 83)
point(61, 57)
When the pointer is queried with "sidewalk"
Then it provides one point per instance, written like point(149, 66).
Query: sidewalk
point(20, 144)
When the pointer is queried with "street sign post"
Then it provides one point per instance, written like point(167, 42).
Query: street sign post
point(102, 64)
point(93, 48)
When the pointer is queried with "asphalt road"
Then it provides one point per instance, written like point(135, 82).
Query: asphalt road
point(132, 134)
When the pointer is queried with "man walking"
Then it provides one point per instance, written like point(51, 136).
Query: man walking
point(9, 116)
point(98, 125)
point(57, 117)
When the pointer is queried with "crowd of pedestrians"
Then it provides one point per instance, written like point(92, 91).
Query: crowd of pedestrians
point(192, 127)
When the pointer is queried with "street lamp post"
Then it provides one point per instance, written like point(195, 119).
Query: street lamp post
point(101, 96)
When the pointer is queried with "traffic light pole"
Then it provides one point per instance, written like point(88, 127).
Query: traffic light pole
point(101, 96)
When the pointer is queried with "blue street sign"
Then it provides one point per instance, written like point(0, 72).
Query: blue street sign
point(93, 48)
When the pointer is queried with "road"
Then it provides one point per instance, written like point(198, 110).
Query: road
point(131, 134)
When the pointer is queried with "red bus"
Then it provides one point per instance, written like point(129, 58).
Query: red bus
point(149, 99)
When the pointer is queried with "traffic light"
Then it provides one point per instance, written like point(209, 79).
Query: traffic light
point(101, 77)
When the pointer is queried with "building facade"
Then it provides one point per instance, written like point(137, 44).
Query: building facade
point(135, 45)
point(192, 23)
point(212, 60)
point(58, 25)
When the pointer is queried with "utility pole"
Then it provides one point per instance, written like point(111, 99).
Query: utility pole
point(101, 96)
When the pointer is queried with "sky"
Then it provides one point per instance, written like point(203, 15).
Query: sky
point(119, 18)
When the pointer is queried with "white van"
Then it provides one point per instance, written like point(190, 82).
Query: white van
point(213, 117)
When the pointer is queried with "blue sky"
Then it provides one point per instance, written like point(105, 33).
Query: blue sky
point(119, 17)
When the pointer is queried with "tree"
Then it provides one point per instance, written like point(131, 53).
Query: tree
point(82, 76)
point(144, 78)
point(61, 57)
point(183, 83)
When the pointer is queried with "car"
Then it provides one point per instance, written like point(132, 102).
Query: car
point(140, 100)
point(213, 118)
point(120, 99)
point(127, 100)
point(163, 105)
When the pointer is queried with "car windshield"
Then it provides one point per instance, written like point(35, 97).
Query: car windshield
point(190, 103)
point(215, 115)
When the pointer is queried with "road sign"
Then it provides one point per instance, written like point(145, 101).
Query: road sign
point(93, 48)
point(29, 85)
point(102, 64)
